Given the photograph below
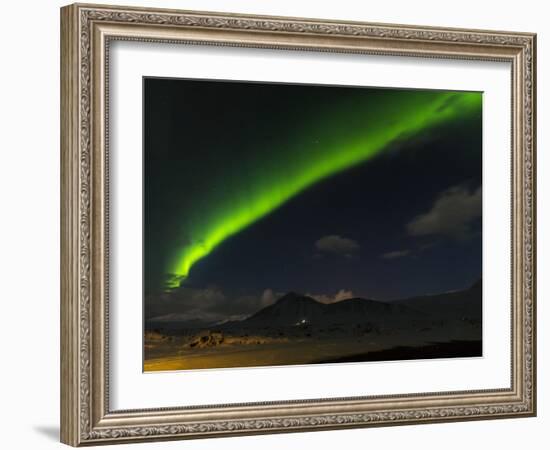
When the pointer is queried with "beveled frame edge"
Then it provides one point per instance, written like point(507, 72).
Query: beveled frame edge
point(86, 31)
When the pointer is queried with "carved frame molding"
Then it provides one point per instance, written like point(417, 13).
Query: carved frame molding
point(86, 31)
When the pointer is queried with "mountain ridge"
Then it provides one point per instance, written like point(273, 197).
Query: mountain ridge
point(298, 309)
point(295, 309)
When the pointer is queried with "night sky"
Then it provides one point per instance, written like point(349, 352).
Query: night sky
point(252, 190)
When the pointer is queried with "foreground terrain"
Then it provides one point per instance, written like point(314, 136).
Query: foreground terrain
point(299, 330)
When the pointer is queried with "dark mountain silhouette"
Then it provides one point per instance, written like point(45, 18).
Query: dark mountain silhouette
point(464, 304)
point(295, 309)
point(363, 306)
point(290, 309)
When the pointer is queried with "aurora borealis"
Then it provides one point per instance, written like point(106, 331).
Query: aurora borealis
point(400, 117)
point(348, 133)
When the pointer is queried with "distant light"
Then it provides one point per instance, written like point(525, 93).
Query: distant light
point(301, 322)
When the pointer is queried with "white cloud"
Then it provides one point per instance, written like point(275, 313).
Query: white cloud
point(337, 245)
point(395, 254)
point(268, 297)
point(452, 214)
point(342, 294)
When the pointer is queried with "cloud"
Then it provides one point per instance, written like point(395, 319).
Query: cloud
point(453, 214)
point(184, 301)
point(395, 254)
point(209, 304)
point(268, 297)
point(342, 294)
point(337, 245)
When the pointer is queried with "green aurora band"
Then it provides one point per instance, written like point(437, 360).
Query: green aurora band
point(325, 148)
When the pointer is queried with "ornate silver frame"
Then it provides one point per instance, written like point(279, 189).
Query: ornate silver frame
point(86, 31)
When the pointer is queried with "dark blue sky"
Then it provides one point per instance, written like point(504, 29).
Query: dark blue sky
point(410, 217)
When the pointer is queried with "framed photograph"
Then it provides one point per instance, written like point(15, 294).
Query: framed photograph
point(275, 224)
